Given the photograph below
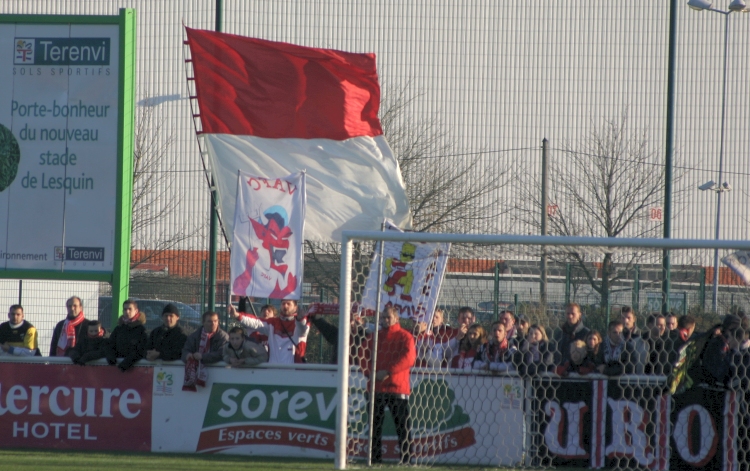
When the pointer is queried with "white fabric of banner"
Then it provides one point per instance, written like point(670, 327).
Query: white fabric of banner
point(269, 220)
point(352, 184)
point(739, 262)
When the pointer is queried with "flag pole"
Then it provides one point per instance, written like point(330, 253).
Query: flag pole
point(214, 219)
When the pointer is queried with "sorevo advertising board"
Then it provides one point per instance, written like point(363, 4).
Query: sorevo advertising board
point(66, 146)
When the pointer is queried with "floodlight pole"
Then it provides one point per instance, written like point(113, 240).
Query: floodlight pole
point(720, 190)
point(543, 264)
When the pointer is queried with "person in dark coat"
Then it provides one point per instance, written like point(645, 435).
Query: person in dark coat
point(660, 346)
point(203, 347)
point(166, 341)
point(68, 331)
point(719, 358)
point(572, 330)
point(91, 346)
point(681, 336)
point(128, 339)
point(615, 353)
point(330, 333)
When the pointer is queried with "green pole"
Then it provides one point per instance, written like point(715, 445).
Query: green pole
point(671, 67)
point(702, 292)
point(609, 307)
point(568, 273)
point(124, 205)
point(496, 291)
point(213, 228)
point(203, 286)
point(320, 337)
point(684, 304)
point(637, 287)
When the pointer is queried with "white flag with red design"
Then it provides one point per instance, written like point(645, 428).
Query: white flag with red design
point(411, 278)
point(271, 108)
point(269, 220)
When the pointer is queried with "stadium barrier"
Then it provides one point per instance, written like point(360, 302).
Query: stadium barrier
point(589, 422)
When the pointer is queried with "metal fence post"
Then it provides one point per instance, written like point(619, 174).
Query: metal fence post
point(203, 286)
point(568, 272)
point(702, 292)
point(496, 291)
point(637, 288)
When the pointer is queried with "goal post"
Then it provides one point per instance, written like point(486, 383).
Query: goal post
point(524, 251)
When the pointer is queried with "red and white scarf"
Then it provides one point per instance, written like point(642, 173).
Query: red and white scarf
point(68, 334)
point(195, 374)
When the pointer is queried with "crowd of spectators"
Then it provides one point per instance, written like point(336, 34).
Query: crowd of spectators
point(510, 344)
point(84, 340)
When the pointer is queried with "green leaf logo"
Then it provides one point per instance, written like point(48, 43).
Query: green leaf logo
point(10, 156)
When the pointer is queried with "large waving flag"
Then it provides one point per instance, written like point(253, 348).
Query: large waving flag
point(269, 219)
point(273, 108)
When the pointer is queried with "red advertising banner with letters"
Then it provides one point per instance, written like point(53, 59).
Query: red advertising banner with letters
point(75, 407)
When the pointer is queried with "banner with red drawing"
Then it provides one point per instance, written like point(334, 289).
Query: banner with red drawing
point(269, 220)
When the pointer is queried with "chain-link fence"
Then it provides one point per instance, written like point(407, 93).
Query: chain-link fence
point(506, 374)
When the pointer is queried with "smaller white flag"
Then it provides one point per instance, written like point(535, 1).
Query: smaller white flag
point(269, 220)
point(739, 262)
point(411, 279)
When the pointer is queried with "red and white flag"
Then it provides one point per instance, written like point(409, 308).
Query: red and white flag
point(269, 221)
point(271, 108)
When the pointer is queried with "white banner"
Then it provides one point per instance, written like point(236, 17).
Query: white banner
point(269, 221)
point(411, 278)
point(739, 262)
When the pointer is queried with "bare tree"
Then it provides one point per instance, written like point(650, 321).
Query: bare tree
point(154, 195)
point(449, 188)
point(604, 186)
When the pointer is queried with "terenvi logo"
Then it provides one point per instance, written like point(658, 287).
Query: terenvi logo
point(10, 156)
point(61, 51)
point(247, 414)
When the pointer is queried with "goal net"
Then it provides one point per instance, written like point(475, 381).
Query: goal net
point(512, 351)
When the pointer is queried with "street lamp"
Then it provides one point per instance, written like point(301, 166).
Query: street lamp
point(734, 6)
point(718, 189)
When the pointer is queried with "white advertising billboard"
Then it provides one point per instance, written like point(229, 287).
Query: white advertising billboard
point(59, 150)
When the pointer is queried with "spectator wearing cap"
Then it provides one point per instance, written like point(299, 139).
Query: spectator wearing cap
point(166, 341)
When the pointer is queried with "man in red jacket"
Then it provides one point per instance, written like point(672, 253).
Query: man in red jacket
point(395, 357)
